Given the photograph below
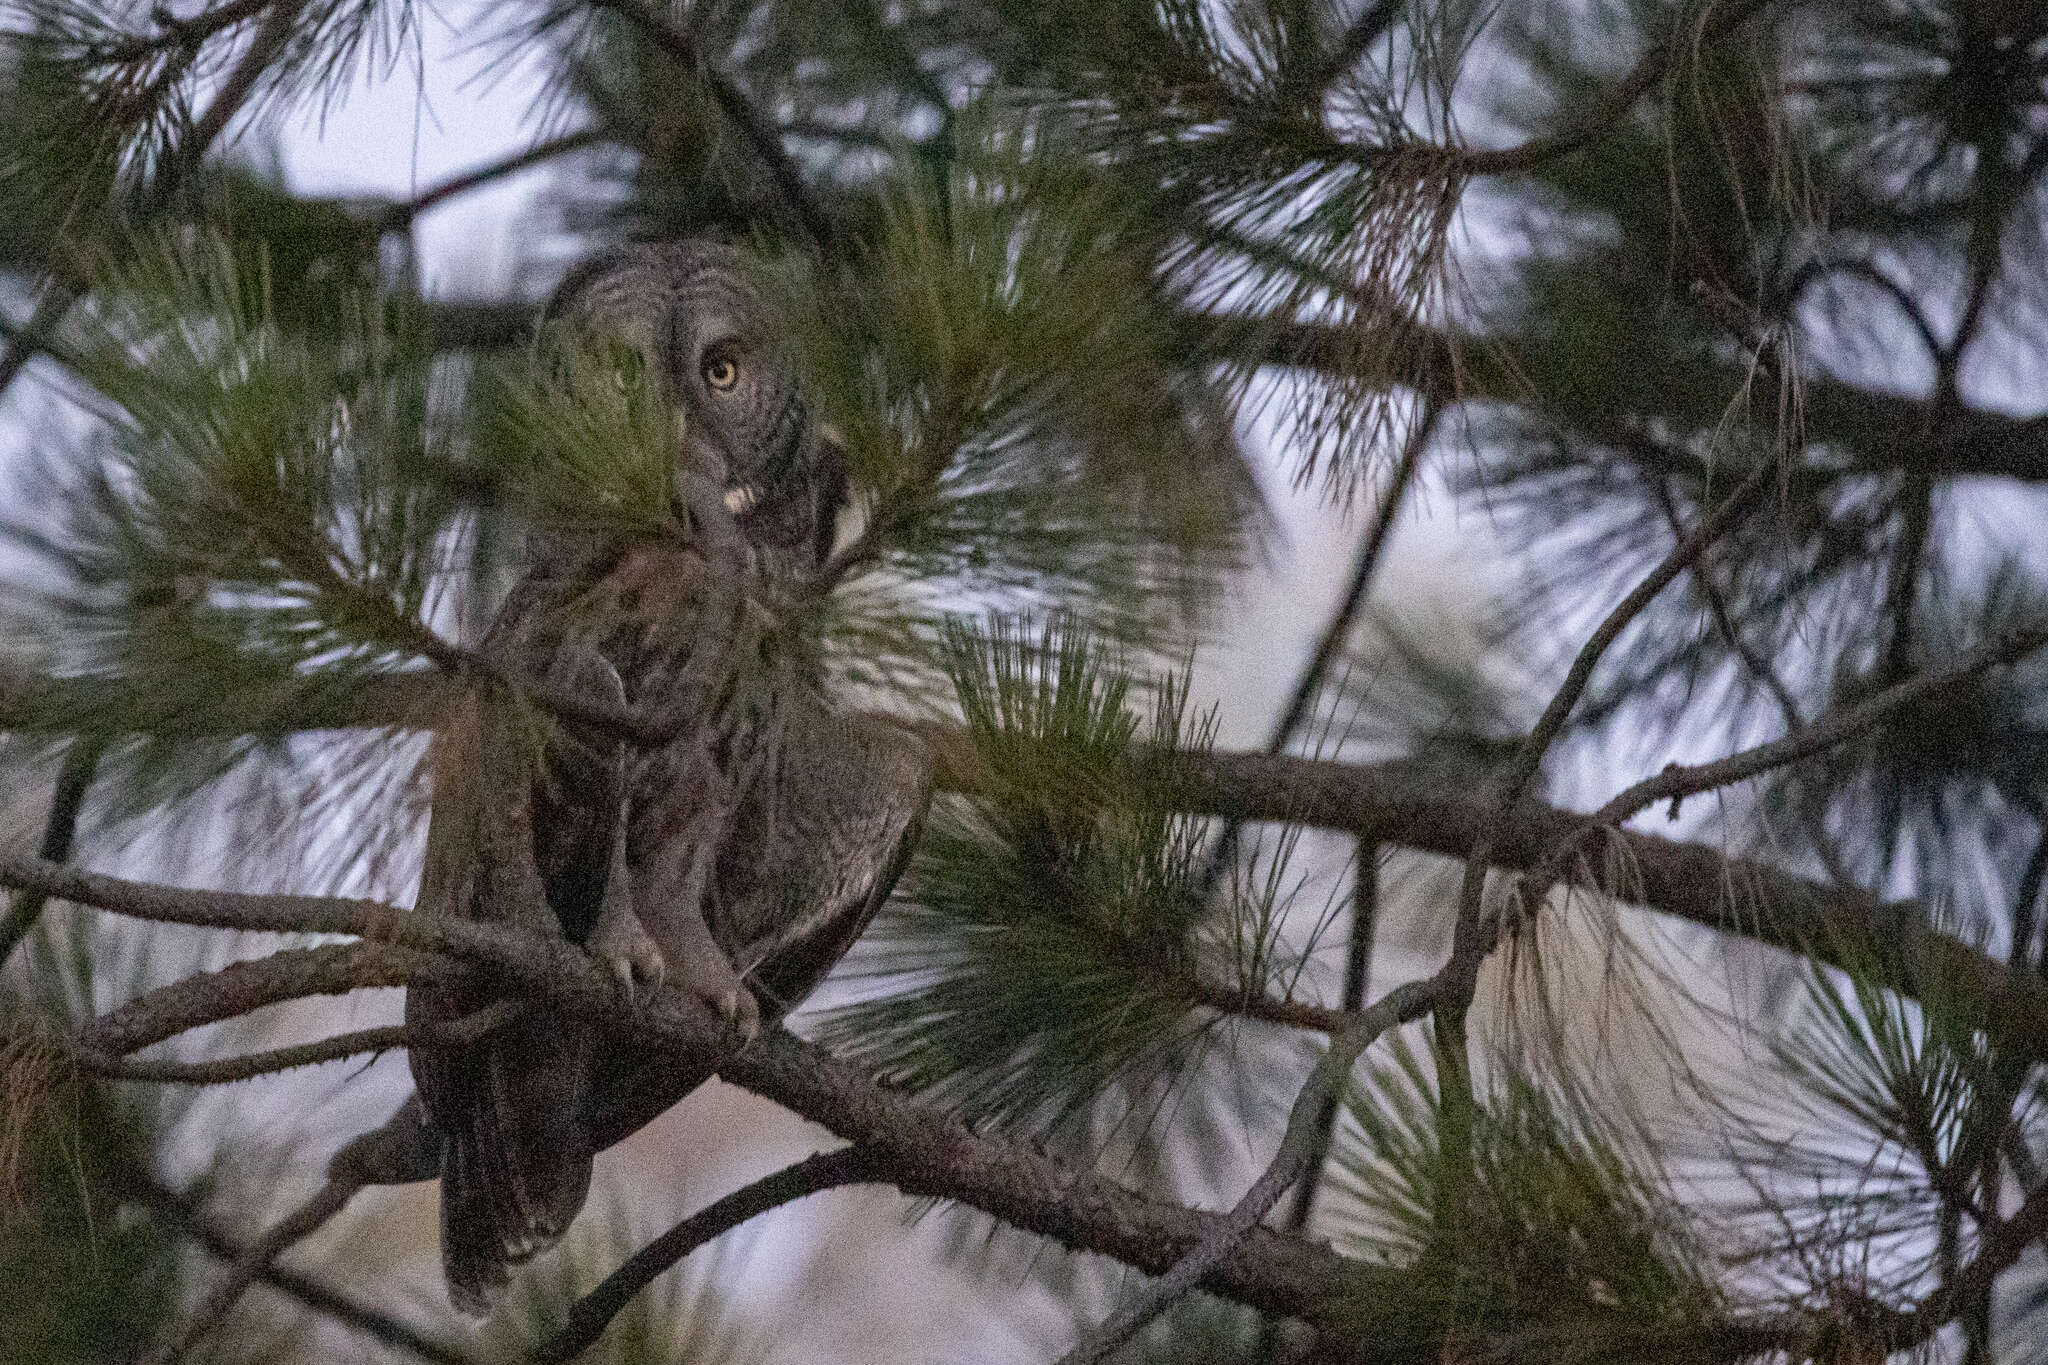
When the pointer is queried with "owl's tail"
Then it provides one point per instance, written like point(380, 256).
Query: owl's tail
point(515, 1176)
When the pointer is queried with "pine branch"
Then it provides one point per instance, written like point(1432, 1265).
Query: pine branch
point(594, 1312)
point(918, 1152)
point(1604, 114)
point(767, 146)
point(1398, 805)
point(1869, 424)
point(913, 1149)
point(57, 296)
point(264, 48)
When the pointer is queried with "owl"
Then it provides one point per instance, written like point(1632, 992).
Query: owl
point(739, 857)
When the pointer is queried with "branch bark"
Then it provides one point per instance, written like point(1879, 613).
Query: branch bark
point(594, 1312)
point(1396, 805)
point(920, 1153)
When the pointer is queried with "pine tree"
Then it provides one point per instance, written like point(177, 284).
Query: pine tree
point(1723, 315)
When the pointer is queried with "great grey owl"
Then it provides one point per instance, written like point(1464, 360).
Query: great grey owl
point(738, 858)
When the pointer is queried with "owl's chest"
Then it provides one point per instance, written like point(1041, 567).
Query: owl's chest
point(665, 619)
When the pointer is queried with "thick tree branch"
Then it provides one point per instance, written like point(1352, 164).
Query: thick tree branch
point(1397, 805)
point(244, 987)
point(918, 1152)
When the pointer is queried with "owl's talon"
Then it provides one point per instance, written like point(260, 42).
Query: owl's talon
point(740, 1013)
point(633, 961)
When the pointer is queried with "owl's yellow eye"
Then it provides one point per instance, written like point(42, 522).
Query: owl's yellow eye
point(720, 372)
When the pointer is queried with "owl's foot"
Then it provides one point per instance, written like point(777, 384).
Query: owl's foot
point(723, 993)
point(631, 956)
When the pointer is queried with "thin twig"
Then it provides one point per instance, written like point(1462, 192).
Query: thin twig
point(175, 33)
point(60, 831)
point(1335, 632)
point(181, 1215)
point(1468, 952)
point(1679, 781)
point(592, 1313)
point(1605, 111)
point(767, 147)
point(1759, 668)
point(451, 1033)
point(1297, 1145)
point(1357, 976)
point(296, 1226)
point(396, 216)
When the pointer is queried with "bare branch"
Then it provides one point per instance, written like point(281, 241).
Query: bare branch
point(594, 1311)
point(244, 987)
point(1678, 781)
point(918, 1152)
point(182, 1216)
point(399, 215)
point(60, 828)
point(455, 1032)
point(1357, 976)
point(1247, 1004)
point(307, 1219)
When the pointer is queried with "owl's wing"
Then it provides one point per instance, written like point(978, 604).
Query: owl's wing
point(819, 847)
point(521, 833)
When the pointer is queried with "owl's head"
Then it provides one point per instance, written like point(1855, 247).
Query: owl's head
point(713, 343)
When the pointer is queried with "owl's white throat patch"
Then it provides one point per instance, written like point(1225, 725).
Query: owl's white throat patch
point(741, 500)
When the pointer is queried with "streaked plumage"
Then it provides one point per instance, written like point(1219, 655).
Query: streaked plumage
point(761, 838)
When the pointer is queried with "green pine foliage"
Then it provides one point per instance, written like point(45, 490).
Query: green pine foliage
point(1575, 1247)
point(1046, 266)
point(1047, 968)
